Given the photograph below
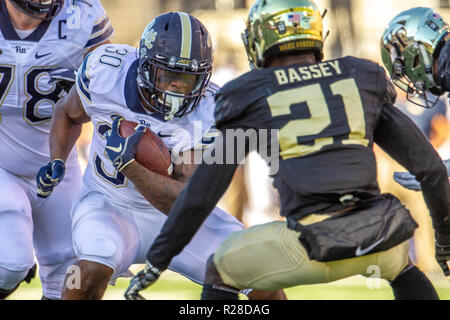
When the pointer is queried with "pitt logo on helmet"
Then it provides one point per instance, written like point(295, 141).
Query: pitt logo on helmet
point(149, 36)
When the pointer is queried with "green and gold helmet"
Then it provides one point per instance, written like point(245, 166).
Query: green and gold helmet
point(282, 26)
point(409, 46)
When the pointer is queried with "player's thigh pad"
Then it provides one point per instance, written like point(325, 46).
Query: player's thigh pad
point(191, 262)
point(270, 257)
point(16, 225)
point(104, 233)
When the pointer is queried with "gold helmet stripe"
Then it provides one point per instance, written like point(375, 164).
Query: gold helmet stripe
point(186, 39)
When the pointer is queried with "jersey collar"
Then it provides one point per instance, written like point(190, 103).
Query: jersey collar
point(9, 33)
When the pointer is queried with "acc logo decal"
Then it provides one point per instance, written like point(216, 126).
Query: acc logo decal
point(184, 62)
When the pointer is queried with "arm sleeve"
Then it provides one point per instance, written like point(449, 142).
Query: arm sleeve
point(102, 29)
point(444, 67)
point(199, 197)
point(82, 83)
point(404, 142)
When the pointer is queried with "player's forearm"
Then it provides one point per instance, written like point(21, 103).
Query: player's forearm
point(418, 156)
point(63, 134)
point(160, 191)
point(190, 211)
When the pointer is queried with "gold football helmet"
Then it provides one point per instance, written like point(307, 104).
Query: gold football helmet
point(282, 26)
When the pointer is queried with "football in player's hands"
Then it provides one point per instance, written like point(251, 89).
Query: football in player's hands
point(151, 151)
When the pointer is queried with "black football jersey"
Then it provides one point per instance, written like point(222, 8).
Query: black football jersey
point(326, 115)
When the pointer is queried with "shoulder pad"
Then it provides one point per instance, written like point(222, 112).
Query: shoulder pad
point(102, 71)
point(235, 96)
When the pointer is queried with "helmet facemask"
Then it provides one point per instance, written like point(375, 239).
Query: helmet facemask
point(409, 47)
point(39, 9)
point(418, 82)
point(172, 91)
point(175, 63)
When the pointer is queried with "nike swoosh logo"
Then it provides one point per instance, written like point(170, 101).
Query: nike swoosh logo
point(37, 56)
point(360, 251)
point(118, 149)
point(164, 135)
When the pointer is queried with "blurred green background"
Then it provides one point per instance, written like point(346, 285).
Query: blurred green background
point(172, 286)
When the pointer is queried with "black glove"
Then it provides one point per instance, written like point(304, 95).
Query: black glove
point(141, 281)
point(442, 247)
point(442, 257)
point(63, 78)
point(49, 176)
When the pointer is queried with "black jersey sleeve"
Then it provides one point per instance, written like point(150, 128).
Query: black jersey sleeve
point(204, 189)
point(199, 197)
point(234, 99)
point(404, 142)
point(444, 67)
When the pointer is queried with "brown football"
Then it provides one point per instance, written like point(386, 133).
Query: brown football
point(151, 151)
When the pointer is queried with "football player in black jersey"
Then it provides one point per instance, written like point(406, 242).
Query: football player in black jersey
point(415, 48)
point(327, 115)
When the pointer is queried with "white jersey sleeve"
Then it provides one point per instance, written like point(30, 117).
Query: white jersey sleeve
point(102, 29)
point(98, 79)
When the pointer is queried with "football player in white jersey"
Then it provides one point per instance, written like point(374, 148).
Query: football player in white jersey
point(163, 86)
point(37, 37)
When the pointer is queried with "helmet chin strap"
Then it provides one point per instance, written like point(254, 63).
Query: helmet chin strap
point(174, 101)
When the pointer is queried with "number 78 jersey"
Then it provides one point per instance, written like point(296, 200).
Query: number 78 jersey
point(325, 116)
point(27, 101)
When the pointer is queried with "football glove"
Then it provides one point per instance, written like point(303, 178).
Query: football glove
point(63, 78)
point(407, 180)
point(49, 177)
point(442, 257)
point(141, 281)
point(120, 150)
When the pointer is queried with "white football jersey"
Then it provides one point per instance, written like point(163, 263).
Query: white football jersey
point(107, 86)
point(27, 101)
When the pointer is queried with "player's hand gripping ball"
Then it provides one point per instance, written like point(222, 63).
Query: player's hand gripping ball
point(151, 151)
point(121, 151)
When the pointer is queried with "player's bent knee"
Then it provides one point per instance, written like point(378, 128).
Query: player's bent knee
point(101, 247)
point(10, 279)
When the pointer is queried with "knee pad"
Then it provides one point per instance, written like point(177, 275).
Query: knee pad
point(11, 279)
point(100, 249)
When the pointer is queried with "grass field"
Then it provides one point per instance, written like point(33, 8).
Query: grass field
point(171, 286)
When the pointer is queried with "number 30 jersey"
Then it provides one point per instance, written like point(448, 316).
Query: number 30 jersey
point(107, 86)
point(27, 101)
